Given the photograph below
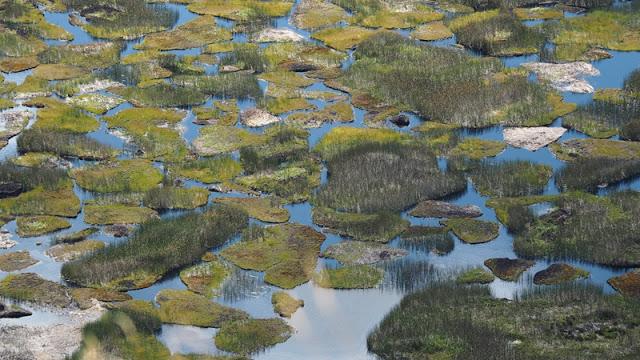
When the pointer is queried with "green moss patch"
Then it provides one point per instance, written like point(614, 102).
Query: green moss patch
point(436, 30)
point(251, 336)
point(475, 276)
point(286, 253)
point(32, 288)
point(186, 308)
point(293, 183)
point(473, 231)
point(209, 170)
point(39, 225)
point(284, 304)
point(559, 273)
point(508, 269)
point(119, 176)
point(58, 116)
point(315, 14)
point(341, 139)
point(17, 64)
point(377, 227)
point(615, 30)
point(39, 201)
point(15, 261)
point(168, 197)
point(117, 214)
point(338, 112)
point(206, 278)
point(75, 236)
point(596, 148)
point(401, 19)
point(66, 252)
point(214, 140)
point(344, 38)
point(279, 106)
point(241, 10)
point(475, 148)
point(349, 277)
point(195, 33)
point(538, 13)
point(262, 208)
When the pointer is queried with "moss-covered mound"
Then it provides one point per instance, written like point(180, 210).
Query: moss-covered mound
point(65, 144)
point(450, 321)
point(267, 209)
point(286, 253)
point(508, 269)
point(251, 336)
point(627, 284)
point(32, 288)
point(157, 247)
point(378, 227)
point(284, 304)
point(186, 308)
point(596, 148)
point(119, 176)
point(205, 278)
point(558, 273)
point(117, 214)
point(38, 225)
point(215, 139)
point(208, 170)
point(349, 277)
point(475, 276)
point(473, 231)
point(169, 197)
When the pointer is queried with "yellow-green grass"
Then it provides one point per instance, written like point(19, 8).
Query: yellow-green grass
point(436, 30)
point(349, 277)
point(28, 226)
point(286, 78)
point(401, 19)
point(15, 261)
point(17, 64)
point(206, 278)
point(476, 148)
point(463, 21)
point(538, 13)
point(473, 231)
point(58, 116)
point(340, 112)
point(596, 148)
point(58, 71)
point(284, 304)
point(216, 139)
point(168, 197)
point(476, 275)
point(39, 201)
point(316, 14)
point(341, 139)
point(239, 9)
point(30, 287)
point(118, 176)
point(267, 209)
point(184, 307)
point(343, 38)
point(96, 55)
point(279, 106)
point(208, 170)
point(84, 296)
point(117, 214)
point(196, 33)
point(251, 336)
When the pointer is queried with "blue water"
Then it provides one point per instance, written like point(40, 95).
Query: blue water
point(333, 323)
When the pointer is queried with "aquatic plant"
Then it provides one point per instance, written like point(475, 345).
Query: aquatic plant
point(376, 177)
point(377, 227)
point(169, 197)
point(349, 277)
point(510, 178)
point(253, 335)
point(577, 227)
point(463, 322)
point(120, 176)
point(227, 86)
point(283, 144)
point(455, 89)
point(157, 247)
